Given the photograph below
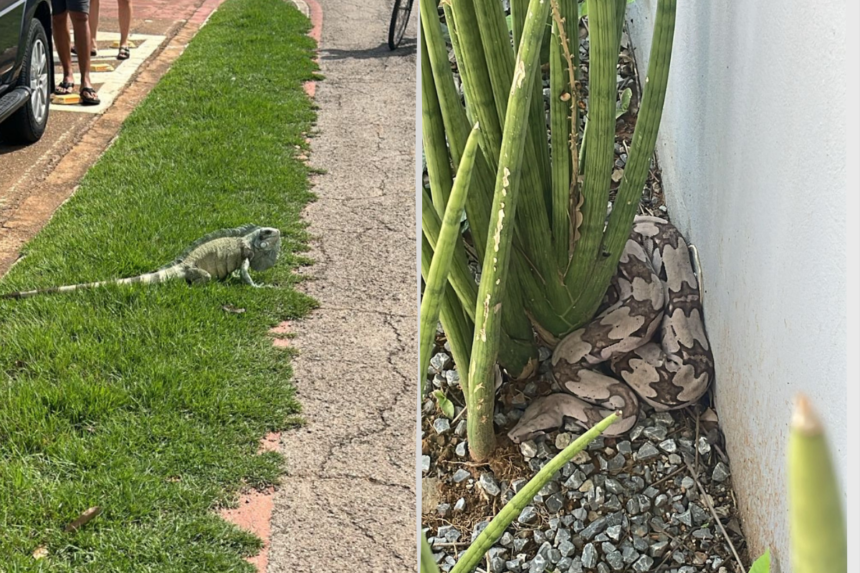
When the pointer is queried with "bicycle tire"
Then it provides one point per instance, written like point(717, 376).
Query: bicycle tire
point(399, 20)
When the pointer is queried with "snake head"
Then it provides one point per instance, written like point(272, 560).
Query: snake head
point(549, 412)
point(546, 414)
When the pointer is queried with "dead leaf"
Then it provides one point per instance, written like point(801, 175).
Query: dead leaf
point(41, 552)
point(710, 416)
point(83, 519)
point(734, 526)
point(430, 495)
point(232, 309)
point(617, 175)
point(577, 220)
point(497, 372)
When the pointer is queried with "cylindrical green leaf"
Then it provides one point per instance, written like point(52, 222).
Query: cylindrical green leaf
point(455, 122)
point(518, 352)
point(644, 136)
point(818, 541)
point(620, 8)
point(517, 355)
point(459, 274)
point(437, 279)
point(458, 327)
point(456, 125)
point(518, 19)
point(428, 565)
point(433, 134)
point(601, 141)
point(533, 226)
point(485, 345)
point(596, 255)
point(474, 73)
point(560, 113)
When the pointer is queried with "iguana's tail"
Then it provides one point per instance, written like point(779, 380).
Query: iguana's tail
point(160, 276)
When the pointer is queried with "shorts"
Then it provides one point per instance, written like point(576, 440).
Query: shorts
point(60, 6)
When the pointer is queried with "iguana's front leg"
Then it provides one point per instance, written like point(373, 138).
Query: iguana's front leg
point(197, 277)
point(246, 276)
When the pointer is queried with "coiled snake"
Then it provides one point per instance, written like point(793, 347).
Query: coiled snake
point(655, 287)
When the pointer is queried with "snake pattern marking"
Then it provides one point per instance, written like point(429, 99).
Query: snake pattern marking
point(654, 289)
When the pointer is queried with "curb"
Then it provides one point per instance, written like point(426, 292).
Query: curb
point(303, 7)
point(312, 10)
point(255, 508)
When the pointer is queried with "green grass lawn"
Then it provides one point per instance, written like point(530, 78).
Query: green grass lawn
point(149, 401)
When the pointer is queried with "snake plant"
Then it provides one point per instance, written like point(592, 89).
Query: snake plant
point(536, 213)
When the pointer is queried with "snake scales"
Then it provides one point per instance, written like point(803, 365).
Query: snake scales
point(654, 289)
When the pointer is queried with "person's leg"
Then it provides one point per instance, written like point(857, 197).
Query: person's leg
point(81, 27)
point(62, 41)
point(79, 14)
point(124, 27)
point(94, 23)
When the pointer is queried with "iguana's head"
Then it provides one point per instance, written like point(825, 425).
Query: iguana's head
point(266, 243)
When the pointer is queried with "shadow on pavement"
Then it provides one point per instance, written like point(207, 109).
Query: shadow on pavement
point(406, 49)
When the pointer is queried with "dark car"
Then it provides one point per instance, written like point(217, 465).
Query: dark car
point(26, 69)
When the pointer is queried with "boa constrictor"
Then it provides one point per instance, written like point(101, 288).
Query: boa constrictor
point(655, 287)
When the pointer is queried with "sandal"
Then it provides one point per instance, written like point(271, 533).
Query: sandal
point(93, 52)
point(124, 53)
point(64, 88)
point(89, 97)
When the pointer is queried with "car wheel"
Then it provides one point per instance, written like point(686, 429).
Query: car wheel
point(28, 123)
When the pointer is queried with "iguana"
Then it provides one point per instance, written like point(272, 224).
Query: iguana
point(214, 256)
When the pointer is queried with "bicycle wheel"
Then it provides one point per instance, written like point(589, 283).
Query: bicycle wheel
point(399, 20)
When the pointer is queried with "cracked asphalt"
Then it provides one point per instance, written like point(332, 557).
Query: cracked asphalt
point(348, 501)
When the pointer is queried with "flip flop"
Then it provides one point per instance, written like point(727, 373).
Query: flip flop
point(89, 97)
point(64, 88)
point(93, 53)
point(124, 53)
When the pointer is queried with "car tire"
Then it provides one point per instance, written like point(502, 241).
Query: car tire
point(28, 123)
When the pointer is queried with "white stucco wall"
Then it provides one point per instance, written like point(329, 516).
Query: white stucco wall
point(752, 148)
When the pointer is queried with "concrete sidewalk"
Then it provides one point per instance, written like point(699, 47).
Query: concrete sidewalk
point(349, 501)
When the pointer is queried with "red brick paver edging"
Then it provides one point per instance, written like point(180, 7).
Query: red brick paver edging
point(254, 511)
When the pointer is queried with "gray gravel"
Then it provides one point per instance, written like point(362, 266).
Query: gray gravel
point(488, 484)
point(441, 425)
point(638, 513)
